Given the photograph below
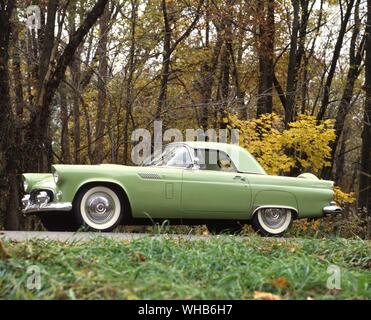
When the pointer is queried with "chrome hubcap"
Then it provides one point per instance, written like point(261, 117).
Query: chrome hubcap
point(100, 207)
point(274, 217)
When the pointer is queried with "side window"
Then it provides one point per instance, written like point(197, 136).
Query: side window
point(178, 157)
point(214, 160)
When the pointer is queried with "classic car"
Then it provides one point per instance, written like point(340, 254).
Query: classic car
point(217, 184)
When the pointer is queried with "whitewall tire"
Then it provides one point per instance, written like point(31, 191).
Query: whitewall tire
point(272, 221)
point(100, 208)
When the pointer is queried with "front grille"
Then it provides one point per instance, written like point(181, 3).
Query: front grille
point(35, 192)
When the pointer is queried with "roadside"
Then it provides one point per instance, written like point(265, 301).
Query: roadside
point(169, 267)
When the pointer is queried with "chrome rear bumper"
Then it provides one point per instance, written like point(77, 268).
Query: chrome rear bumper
point(332, 209)
point(41, 204)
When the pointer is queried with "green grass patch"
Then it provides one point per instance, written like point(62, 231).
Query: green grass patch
point(223, 267)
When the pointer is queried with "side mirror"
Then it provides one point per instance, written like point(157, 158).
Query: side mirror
point(196, 163)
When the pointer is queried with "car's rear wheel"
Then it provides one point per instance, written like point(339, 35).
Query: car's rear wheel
point(58, 221)
point(99, 208)
point(273, 222)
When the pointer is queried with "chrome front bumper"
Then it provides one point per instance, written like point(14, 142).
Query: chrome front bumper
point(41, 204)
point(332, 209)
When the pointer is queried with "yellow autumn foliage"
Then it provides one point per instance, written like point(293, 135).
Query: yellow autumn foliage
point(304, 145)
point(342, 197)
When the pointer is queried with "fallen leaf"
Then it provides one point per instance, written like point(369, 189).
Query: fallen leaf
point(129, 295)
point(140, 256)
point(259, 295)
point(3, 252)
point(280, 282)
point(82, 272)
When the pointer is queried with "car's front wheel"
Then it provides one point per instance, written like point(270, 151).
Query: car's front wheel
point(100, 208)
point(272, 222)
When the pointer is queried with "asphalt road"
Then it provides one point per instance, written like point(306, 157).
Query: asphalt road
point(86, 236)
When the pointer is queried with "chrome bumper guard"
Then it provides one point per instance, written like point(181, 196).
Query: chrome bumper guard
point(332, 209)
point(41, 204)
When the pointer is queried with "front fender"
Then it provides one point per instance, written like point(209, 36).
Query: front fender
point(101, 180)
point(39, 181)
point(70, 186)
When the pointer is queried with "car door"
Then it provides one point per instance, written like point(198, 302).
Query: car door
point(159, 186)
point(210, 192)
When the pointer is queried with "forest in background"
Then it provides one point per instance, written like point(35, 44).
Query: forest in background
point(74, 90)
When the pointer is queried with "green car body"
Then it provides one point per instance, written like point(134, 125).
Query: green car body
point(186, 193)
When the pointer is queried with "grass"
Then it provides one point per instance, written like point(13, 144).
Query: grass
point(224, 267)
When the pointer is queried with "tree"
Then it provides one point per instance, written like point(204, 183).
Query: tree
point(339, 42)
point(46, 77)
point(265, 35)
point(364, 198)
point(356, 51)
point(38, 126)
point(130, 76)
point(9, 154)
point(169, 45)
point(100, 122)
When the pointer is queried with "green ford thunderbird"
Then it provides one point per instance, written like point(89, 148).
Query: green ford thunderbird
point(220, 185)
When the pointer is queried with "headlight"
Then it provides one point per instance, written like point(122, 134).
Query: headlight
point(25, 185)
point(55, 177)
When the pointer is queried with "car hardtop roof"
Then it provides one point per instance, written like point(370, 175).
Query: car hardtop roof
point(208, 145)
point(241, 158)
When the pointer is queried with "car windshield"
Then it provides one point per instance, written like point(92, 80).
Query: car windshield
point(172, 156)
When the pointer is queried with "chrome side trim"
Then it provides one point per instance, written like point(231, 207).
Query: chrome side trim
point(149, 175)
point(332, 209)
point(274, 206)
point(60, 206)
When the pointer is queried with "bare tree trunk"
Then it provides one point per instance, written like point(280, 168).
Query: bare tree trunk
point(64, 117)
point(355, 60)
point(166, 55)
point(297, 48)
point(100, 123)
point(17, 76)
point(129, 85)
point(225, 63)
point(335, 58)
point(38, 136)
point(76, 119)
point(47, 41)
point(168, 49)
point(364, 198)
point(291, 69)
point(266, 54)
point(75, 67)
point(8, 148)
point(341, 160)
point(207, 75)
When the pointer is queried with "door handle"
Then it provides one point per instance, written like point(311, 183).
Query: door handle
point(240, 178)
